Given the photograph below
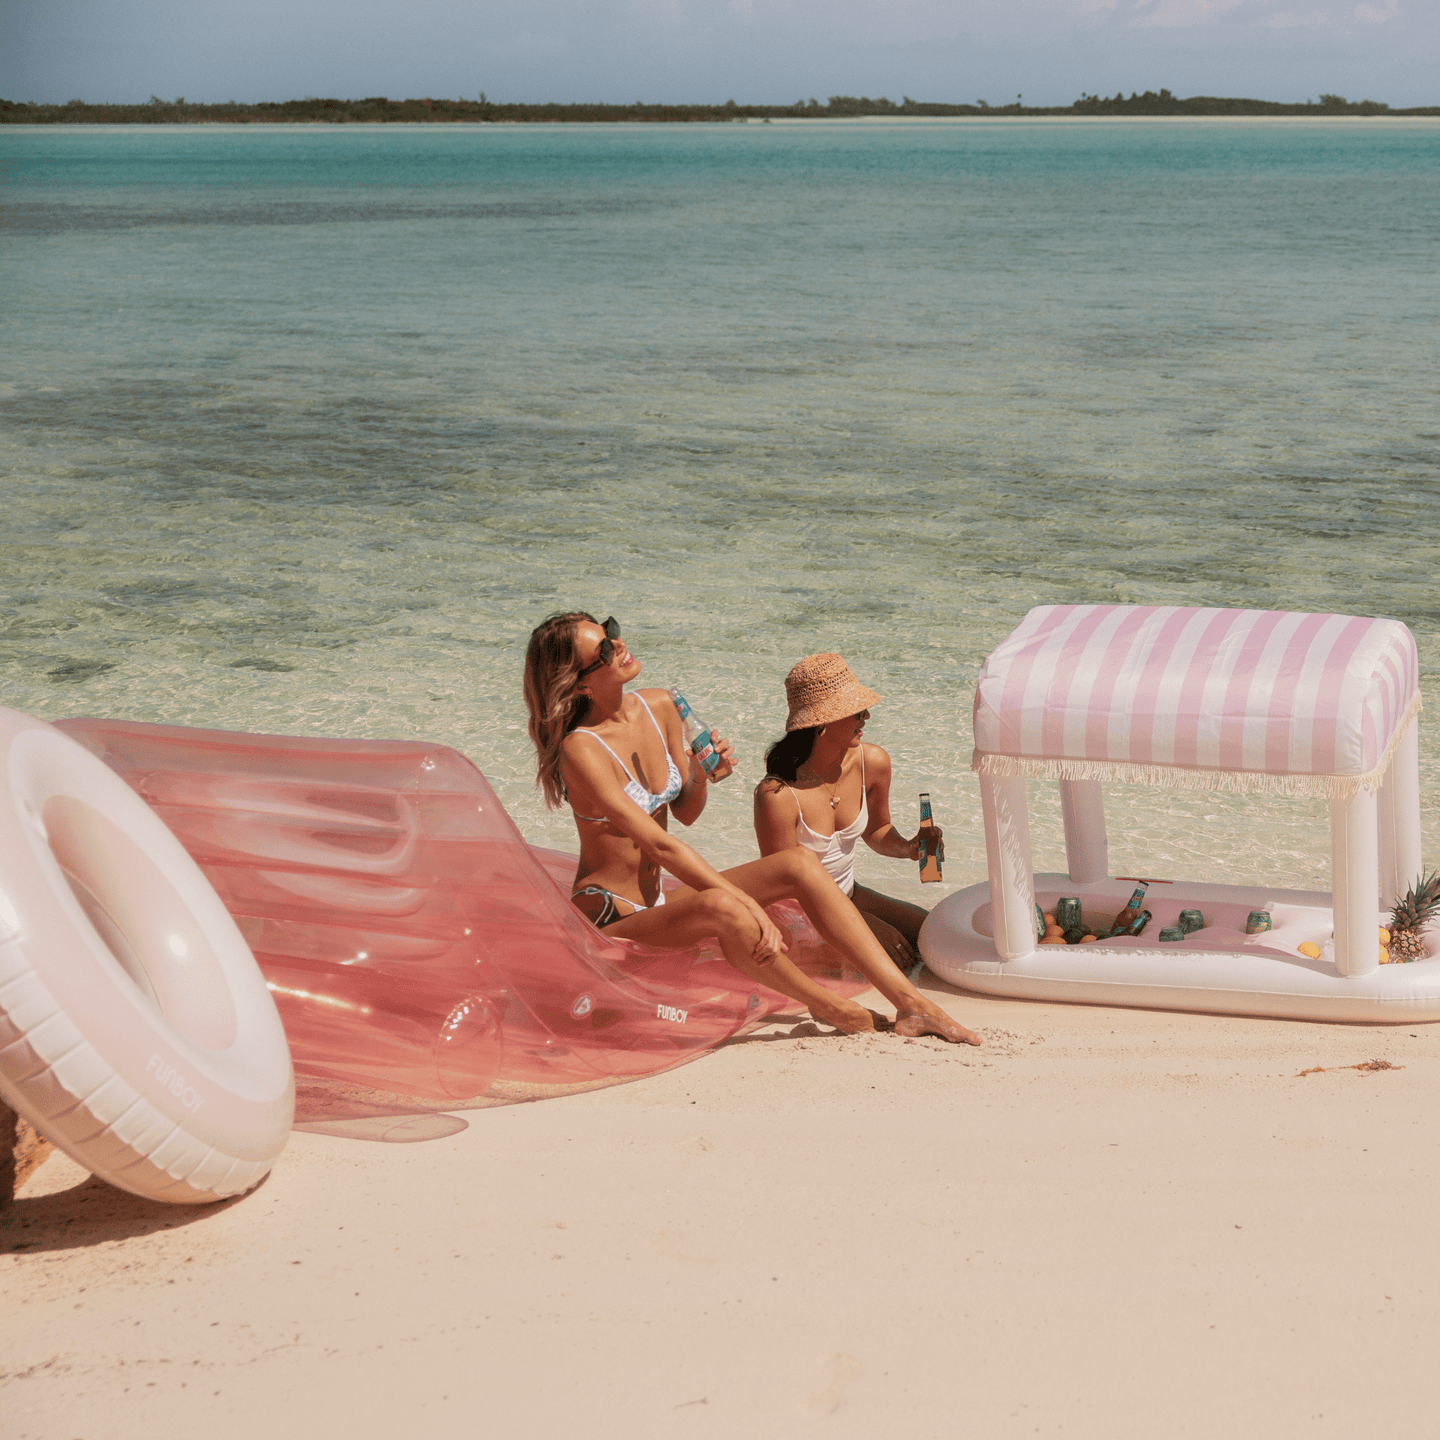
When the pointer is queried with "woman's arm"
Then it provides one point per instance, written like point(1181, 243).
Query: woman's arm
point(774, 817)
point(689, 804)
point(881, 835)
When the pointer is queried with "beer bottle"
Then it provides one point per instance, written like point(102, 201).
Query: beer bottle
point(1131, 910)
point(1141, 920)
point(931, 850)
point(697, 735)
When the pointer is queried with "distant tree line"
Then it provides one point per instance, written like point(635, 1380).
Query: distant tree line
point(428, 111)
point(1162, 102)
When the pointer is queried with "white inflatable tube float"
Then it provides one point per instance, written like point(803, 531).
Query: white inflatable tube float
point(1218, 969)
point(136, 1030)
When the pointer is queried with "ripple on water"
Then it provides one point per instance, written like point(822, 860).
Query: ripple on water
point(313, 430)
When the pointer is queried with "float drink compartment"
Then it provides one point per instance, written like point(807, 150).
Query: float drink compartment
point(932, 852)
point(697, 734)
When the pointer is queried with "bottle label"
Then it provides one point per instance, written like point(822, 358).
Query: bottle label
point(931, 851)
point(703, 748)
point(681, 704)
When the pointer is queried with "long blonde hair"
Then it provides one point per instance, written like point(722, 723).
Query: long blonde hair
point(551, 670)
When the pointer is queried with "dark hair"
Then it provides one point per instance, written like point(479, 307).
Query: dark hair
point(790, 752)
point(551, 671)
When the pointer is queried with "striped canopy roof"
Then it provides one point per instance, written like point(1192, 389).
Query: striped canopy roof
point(1216, 699)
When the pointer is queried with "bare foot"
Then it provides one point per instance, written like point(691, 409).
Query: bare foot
point(934, 1021)
point(845, 1015)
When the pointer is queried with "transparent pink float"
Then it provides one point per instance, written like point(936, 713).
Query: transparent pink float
point(422, 956)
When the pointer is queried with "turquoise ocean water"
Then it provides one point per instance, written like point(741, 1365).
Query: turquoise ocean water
point(303, 429)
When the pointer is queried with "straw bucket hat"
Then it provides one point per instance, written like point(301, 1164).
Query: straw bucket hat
point(820, 688)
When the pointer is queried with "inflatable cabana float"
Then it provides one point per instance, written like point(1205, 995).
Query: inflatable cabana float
point(1265, 702)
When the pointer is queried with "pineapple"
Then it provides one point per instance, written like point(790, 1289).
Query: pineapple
point(1420, 905)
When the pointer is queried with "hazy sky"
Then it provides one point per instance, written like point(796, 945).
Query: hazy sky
point(772, 51)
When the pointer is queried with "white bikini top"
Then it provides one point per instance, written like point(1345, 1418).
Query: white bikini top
point(836, 851)
point(649, 803)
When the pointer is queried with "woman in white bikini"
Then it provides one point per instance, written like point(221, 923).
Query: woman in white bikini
point(621, 762)
point(825, 790)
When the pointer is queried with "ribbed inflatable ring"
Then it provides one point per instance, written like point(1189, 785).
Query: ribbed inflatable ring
point(136, 1030)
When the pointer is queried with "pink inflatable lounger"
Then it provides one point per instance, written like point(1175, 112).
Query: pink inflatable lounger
point(423, 956)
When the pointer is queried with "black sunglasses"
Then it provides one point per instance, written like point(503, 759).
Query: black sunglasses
point(607, 648)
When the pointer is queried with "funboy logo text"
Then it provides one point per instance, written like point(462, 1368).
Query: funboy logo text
point(172, 1080)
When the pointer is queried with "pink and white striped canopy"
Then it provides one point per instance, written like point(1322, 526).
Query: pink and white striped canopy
point(1224, 699)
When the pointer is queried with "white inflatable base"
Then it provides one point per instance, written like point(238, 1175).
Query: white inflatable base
point(1219, 970)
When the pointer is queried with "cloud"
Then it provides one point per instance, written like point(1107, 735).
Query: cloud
point(1181, 14)
point(769, 51)
point(1267, 15)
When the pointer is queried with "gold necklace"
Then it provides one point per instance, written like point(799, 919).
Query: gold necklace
point(834, 794)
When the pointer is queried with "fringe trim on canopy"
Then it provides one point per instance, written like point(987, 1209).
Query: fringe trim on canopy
point(1178, 777)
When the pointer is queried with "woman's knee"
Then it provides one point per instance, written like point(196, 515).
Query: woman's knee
point(721, 909)
point(802, 866)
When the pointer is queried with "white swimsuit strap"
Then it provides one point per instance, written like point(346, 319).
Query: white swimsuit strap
point(658, 730)
point(585, 730)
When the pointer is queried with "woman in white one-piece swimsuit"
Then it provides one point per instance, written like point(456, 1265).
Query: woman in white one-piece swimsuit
point(825, 790)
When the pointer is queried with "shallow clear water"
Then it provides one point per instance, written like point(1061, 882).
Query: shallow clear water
point(302, 430)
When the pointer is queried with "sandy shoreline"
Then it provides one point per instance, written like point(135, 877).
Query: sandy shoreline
point(1104, 1223)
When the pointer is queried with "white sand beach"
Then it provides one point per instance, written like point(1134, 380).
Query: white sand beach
point(1103, 1223)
